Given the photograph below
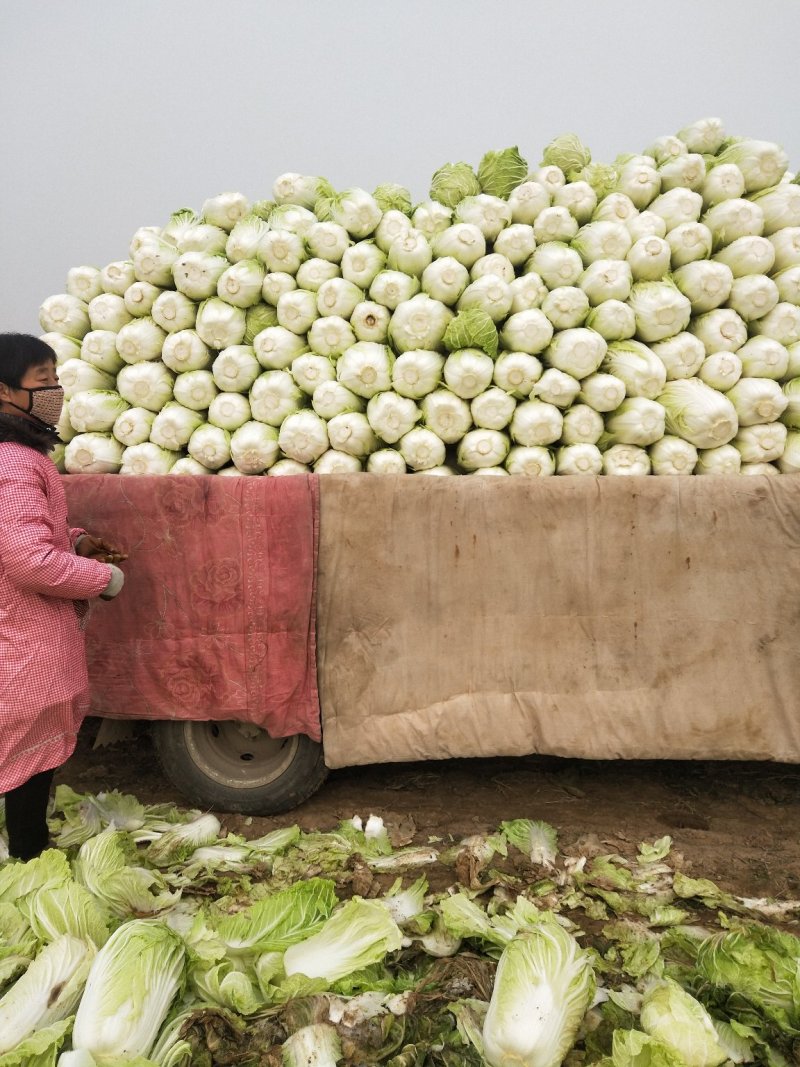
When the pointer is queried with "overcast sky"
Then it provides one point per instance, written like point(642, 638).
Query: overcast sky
point(115, 114)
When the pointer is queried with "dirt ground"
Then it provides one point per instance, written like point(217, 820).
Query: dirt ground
point(736, 823)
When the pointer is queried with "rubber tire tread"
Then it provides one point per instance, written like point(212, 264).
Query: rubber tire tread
point(304, 776)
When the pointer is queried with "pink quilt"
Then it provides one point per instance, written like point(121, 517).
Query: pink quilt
point(217, 616)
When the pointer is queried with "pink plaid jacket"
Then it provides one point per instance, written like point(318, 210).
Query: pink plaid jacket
point(43, 679)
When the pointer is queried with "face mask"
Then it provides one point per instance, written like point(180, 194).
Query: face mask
point(44, 403)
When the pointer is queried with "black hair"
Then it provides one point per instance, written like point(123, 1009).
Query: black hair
point(18, 353)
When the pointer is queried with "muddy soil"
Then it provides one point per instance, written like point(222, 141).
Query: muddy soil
point(736, 823)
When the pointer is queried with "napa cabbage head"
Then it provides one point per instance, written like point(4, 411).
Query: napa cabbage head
point(131, 985)
point(471, 328)
point(543, 987)
point(759, 965)
point(47, 992)
point(676, 1019)
point(452, 182)
point(359, 933)
point(499, 173)
point(568, 153)
point(697, 413)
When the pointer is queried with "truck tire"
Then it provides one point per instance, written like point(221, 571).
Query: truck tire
point(238, 767)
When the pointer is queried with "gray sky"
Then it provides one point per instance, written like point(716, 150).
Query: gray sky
point(115, 114)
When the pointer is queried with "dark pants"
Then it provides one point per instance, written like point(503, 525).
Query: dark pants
point(26, 816)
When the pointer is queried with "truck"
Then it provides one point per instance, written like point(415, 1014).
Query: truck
point(272, 629)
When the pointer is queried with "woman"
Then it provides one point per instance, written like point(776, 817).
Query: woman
point(47, 571)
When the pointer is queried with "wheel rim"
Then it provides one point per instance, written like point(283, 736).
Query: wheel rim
point(239, 755)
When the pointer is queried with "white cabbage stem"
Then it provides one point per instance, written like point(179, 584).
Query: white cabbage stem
point(431, 218)
point(554, 224)
point(332, 398)
point(391, 416)
point(196, 274)
point(517, 373)
point(533, 461)
point(314, 272)
point(672, 455)
point(721, 370)
point(286, 467)
point(536, 423)
point(602, 392)
point(210, 445)
point(117, 277)
point(365, 368)
point(647, 224)
point(361, 263)
point(492, 409)
point(516, 243)
point(566, 306)
point(331, 335)
point(706, 285)
point(393, 225)
point(462, 241)
point(338, 297)
point(84, 283)
point(579, 198)
point(133, 426)
point(491, 294)
point(482, 448)
point(582, 425)
point(106, 312)
point(174, 312)
point(297, 310)
point(195, 389)
point(333, 462)
point(763, 357)
point(761, 443)
point(722, 460)
point(447, 415)
point(556, 264)
point(370, 322)
point(493, 263)
point(756, 400)
point(468, 372)
point(352, 433)
point(140, 297)
point(528, 200)
point(327, 240)
point(225, 210)
point(69, 315)
point(613, 320)
point(724, 182)
point(527, 291)
point(310, 371)
point(235, 369)
point(303, 436)
point(99, 347)
point(275, 347)
point(386, 461)
point(274, 396)
point(689, 242)
point(579, 459)
point(445, 280)
point(490, 214)
point(391, 288)
point(626, 460)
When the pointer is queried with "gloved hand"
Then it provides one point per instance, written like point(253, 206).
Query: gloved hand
point(115, 583)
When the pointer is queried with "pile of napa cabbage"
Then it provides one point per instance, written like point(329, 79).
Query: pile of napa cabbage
point(150, 936)
point(639, 317)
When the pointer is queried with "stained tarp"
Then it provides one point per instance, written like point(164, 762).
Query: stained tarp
point(591, 617)
point(216, 620)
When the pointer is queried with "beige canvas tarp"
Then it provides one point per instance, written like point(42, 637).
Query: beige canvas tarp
point(593, 617)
